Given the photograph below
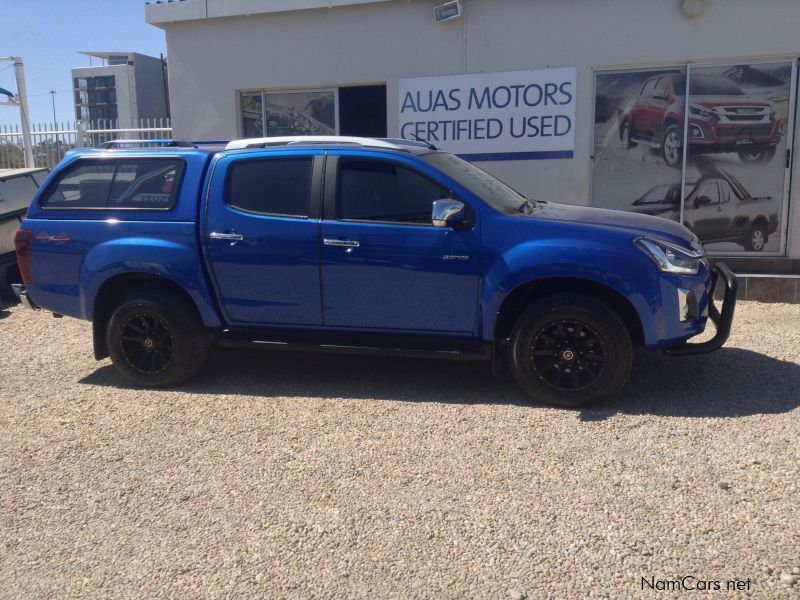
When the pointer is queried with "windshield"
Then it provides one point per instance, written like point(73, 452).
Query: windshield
point(741, 191)
point(707, 85)
point(491, 190)
point(665, 194)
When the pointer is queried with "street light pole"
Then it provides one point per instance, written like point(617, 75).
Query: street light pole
point(53, 98)
point(55, 125)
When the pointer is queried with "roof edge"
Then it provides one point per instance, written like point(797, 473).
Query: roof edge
point(165, 12)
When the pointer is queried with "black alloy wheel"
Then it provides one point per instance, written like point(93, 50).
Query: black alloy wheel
point(155, 338)
point(147, 343)
point(568, 355)
point(571, 350)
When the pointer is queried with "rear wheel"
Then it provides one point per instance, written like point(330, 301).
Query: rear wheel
point(757, 156)
point(155, 339)
point(570, 350)
point(757, 238)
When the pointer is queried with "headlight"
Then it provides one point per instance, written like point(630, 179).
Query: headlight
point(670, 257)
point(702, 111)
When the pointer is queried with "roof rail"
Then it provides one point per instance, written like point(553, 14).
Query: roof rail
point(146, 143)
point(267, 142)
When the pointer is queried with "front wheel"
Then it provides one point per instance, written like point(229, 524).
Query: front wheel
point(155, 339)
point(625, 136)
point(570, 350)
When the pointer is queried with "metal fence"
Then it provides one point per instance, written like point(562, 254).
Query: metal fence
point(51, 140)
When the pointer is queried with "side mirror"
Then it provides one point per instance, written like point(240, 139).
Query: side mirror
point(449, 213)
point(702, 201)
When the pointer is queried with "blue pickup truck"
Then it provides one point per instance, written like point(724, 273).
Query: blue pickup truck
point(358, 245)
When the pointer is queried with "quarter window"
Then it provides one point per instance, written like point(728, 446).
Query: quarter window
point(374, 190)
point(272, 186)
point(125, 183)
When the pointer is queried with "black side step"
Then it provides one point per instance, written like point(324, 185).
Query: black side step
point(408, 346)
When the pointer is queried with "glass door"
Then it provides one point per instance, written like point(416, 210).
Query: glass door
point(736, 178)
point(703, 144)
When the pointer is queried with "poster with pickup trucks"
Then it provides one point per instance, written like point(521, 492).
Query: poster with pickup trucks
point(733, 153)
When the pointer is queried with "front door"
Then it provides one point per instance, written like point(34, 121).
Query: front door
point(384, 265)
point(706, 218)
point(262, 238)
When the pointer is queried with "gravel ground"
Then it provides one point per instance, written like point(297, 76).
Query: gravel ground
point(293, 475)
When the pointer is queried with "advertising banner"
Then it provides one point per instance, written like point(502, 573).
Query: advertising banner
point(732, 194)
point(518, 115)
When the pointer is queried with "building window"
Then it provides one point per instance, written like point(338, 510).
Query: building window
point(95, 98)
point(300, 113)
point(359, 111)
point(252, 110)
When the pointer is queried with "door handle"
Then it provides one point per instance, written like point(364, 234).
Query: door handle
point(227, 236)
point(719, 209)
point(341, 243)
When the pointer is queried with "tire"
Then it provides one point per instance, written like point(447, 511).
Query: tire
point(595, 340)
point(759, 156)
point(155, 339)
point(625, 136)
point(757, 239)
point(671, 145)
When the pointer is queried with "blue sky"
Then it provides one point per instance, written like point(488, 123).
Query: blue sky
point(48, 34)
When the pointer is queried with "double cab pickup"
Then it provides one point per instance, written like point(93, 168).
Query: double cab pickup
point(358, 245)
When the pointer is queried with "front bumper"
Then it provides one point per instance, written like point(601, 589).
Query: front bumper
point(22, 293)
point(720, 275)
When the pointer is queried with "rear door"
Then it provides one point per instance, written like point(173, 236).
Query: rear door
point(262, 237)
point(384, 265)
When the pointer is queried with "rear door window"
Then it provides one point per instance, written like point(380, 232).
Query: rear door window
point(278, 186)
point(123, 183)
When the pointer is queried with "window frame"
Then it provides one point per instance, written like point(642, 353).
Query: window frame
point(312, 185)
point(180, 161)
point(333, 190)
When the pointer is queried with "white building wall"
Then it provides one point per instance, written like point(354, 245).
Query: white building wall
point(383, 42)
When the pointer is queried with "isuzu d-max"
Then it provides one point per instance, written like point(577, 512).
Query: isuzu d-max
point(357, 245)
point(722, 118)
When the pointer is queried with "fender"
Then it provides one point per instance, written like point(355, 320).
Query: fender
point(176, 261)
point(573, 259)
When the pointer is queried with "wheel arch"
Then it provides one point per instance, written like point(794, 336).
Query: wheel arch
point(118, 286)
point(526, 293)
point(669, 119)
